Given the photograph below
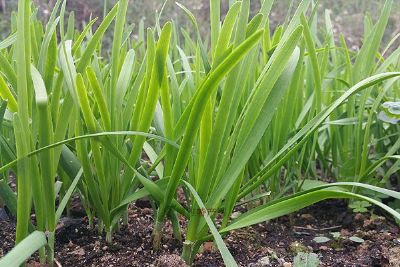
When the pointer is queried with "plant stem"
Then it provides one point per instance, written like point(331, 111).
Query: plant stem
point(50, 254)
point(90, 218)
point(125, 218)
point(42, 255)
point(109, 236)
point(100, 227)
point(187, 252)
point(157, 232)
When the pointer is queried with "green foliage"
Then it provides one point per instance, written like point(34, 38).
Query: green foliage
point(356, 239)
point(24, 250)
point(359, 206)
point(303, 259)
point(390, 112)
point(231, 119)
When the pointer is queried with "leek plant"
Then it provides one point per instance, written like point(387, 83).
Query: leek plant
point(246, 116)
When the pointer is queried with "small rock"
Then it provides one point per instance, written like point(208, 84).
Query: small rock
point(307, 216)
point(264, 261)
point(104, 248)
point(344, 232)
point(323, 248)
point(359, 217)
point(235, 214)
point(363, 248)
point(147, 211)
point(281, 261)
point(208, 246)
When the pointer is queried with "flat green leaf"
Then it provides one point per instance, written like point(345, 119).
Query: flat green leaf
point(6, 95)
point(356, 239)
point(96, 39)
point(9, 41)
point(68, 195)
point(302, 136)
point(295, 203)
point(260, 112)
point(20, 253)
point(321, 239)
point(226, 255)
point(40, 88)
point(303, 259)
point(87, 136)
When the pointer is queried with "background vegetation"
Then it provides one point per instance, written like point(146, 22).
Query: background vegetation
point(231, 112)
point(347, 15)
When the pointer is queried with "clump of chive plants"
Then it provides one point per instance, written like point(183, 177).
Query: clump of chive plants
point(246, 117)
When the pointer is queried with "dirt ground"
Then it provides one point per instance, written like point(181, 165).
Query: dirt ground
point(273, 243)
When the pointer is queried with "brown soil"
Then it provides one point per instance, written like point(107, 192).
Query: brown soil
point(279, 240)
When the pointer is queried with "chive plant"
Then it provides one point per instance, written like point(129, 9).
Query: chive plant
point(335, 146)
point(249, 116)
point(244, 109)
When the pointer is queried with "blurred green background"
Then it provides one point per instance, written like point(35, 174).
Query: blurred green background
point(347, 15)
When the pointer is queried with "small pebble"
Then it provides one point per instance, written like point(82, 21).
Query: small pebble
point(323, 248)
point(264, 261)
point(307, 216)
point(235, 214)
point(281, 261)
point(359, 217)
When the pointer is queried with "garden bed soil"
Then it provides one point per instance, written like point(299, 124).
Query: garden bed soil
point(276, 242)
